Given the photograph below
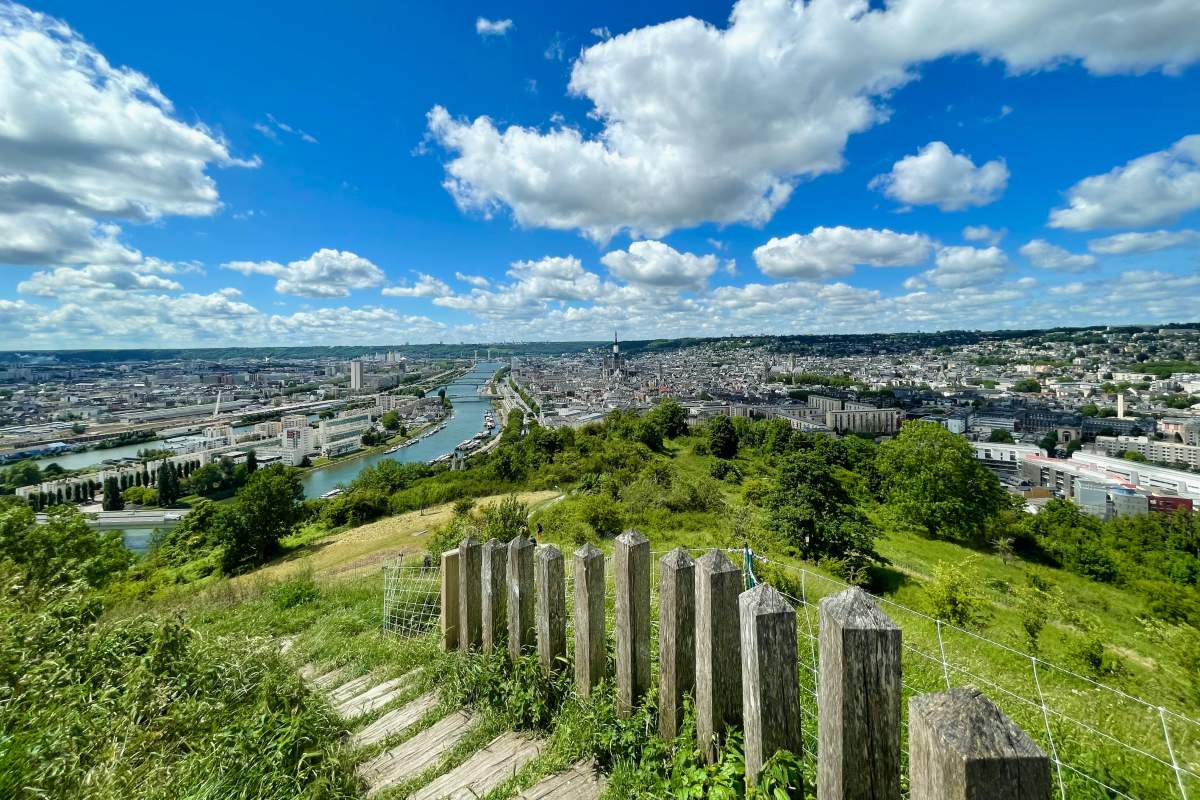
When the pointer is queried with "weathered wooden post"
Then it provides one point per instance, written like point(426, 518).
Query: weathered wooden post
point(450, 610)
point(551, 611)
point(676, 638)
point(520, 596)
point(591, 657)
point(470, 590)
point(858, 700)
point(962, 747)
point(631, 562)
point(770, 692)
point(718, 650)
point(495, 594)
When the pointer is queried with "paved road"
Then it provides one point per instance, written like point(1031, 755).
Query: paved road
point(130, 519)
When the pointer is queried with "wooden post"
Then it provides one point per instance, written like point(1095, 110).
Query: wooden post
point(591, 656)
point(718, 650)
point(520, 596)
point(551, 612)
point(470, 591)
point(961, 747)
point(770, 693)
point(676, 638)
point(450, 610)
point(631, 562)
point(858, 700)
point(495, 594)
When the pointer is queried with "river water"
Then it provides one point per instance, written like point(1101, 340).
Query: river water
point(465, 421)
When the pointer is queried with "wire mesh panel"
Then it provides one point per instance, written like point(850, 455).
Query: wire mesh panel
point(411, 596)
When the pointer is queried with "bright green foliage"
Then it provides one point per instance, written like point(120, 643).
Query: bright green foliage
point(1027, 385)
point(812, 512)
point(930, 477)
point(390, 420)
point(262, 513)
point(955, 595)
point(112, 495)
point(64, 549)
point(671, 418)
point(506, 519)
point(722, 438)
point(22, 473)
point(1000, 435)
point(140, 495)
point(168, 484)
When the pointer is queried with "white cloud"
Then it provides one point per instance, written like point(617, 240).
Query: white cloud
point(1154, 189)
point(84, 141)
point(555, 51)
point(326, 273)
point(474, 280)
point(651, 263)
point(957, 267)
point(1147, 242)
point(834, 252)
point(602, 32)
point(1071, 289)
point(936, 176)
point(100, 279)
point(1044, 255)
point(706, 124)
point(535, 286)
point(983, 233)
point(425, 286)
point(492, 27)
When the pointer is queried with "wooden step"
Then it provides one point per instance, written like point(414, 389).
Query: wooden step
point(328, 679)
point(581, 782)
point(309, 671)
point(395, 721)
point(417, 754)
point(375, 697)
point(498, 761)
point(349, 690)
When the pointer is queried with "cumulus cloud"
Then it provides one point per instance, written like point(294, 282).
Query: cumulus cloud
point(95, 280)
point(534, 286)
point(492, 27)
point(936, 176)
point(474, 280)
point(652, 263)
point(1044, 255)
point(748, 110)
point(1154, 189)
point(957, 267)
point(1142, 242)
point(86, 141)
point(984, 233)
point(425, 286)
point(834, 252)
point(326, 273)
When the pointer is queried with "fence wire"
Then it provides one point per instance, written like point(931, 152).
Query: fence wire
point(1102, 742)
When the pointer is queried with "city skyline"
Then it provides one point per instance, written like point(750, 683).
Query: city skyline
point(523, 173)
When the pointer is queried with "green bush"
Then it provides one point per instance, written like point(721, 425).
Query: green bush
point(295, 592)
point(955, 595)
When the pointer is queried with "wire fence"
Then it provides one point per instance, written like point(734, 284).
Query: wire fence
point(1102, 742)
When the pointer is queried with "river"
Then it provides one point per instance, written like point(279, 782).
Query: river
point(465, 421)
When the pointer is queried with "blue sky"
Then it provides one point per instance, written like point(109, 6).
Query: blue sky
point(269, 173)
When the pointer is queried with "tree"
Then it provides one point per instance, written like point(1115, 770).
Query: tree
point(955, 595)
point(390, 421)
point(1089, 410)
point(671, 417)
point(1027, 386)
point(207, 480)
point(168, 485)
point(1000, 435)
point(112, 495)
point(931, 479)
point(1049, 442)
point(251, 462)
point(722, 438)
point(62, 550)
point(263, 512)
point(810, 509)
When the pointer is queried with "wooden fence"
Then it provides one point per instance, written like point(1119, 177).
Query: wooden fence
point(735, 653)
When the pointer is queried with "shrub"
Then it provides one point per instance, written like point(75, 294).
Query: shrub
point(954, 596)
point(295, 592)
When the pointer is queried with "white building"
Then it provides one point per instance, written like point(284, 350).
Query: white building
point(356, 375)
point(343, 434)
point(1144, 476)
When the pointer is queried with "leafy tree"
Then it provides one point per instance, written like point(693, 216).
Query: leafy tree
point(263, 512)
point(208, 480)
point(722, 438)
point(1133, 455)
point(671, 417)
point(168, 485)
point(505, 519)
point(1049, 442)
point(112, 495)
point(251, 462)
point(954, 595)
point(810, 509)
point(62, 550)
point(1027, 386)
point(1089, 410)
point(930, 477)
point(1000, 435)
point(601, 513)
point(390, 421)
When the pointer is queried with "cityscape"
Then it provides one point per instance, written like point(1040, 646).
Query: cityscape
point(732, 399)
